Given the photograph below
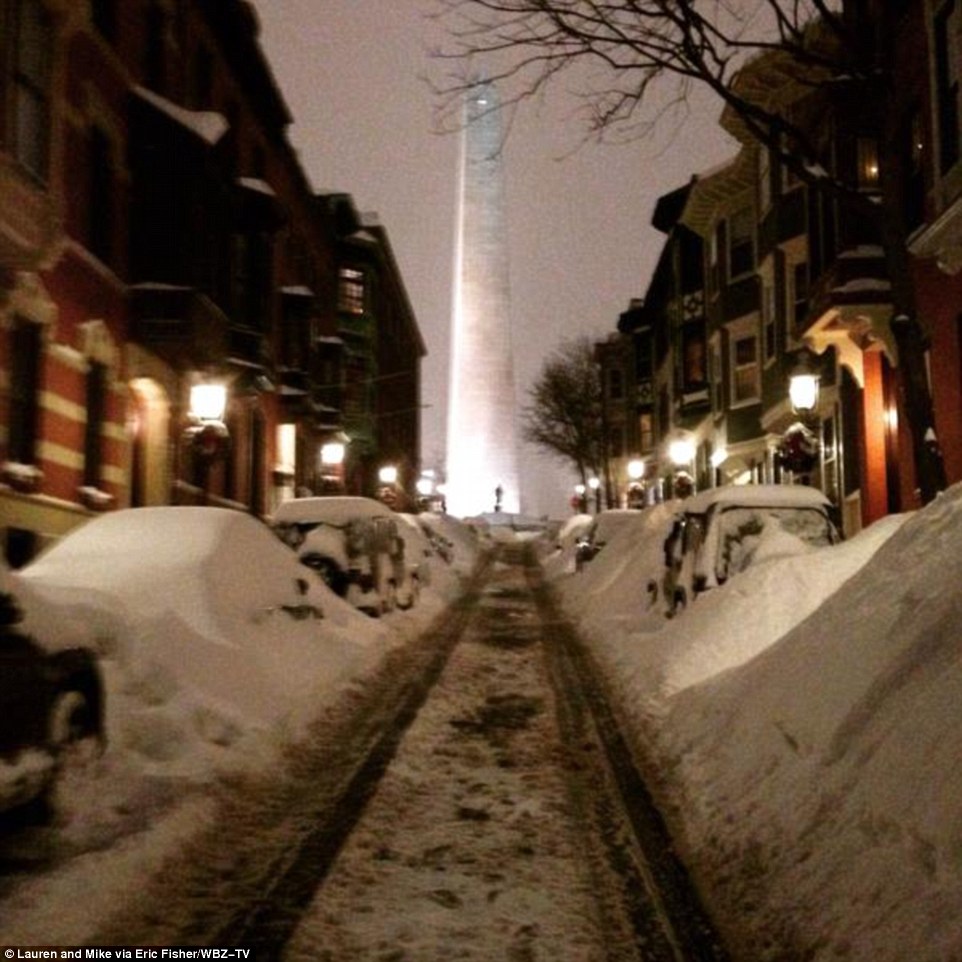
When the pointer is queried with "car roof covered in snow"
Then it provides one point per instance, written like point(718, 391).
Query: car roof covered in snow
point(337, 510)
point(756, 495)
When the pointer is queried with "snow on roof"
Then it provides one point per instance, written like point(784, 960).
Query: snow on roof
point(338, 510)
point(256, 184)
point(209, 125)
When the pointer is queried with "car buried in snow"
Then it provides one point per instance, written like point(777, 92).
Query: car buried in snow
point(355, 545)
point(51, 712)
point(722, 531)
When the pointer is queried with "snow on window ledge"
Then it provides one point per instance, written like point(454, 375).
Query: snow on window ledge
point(94, 498)
point(21, 477)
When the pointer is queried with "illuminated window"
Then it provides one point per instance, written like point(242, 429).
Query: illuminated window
point(744, 357)
point(351, 291)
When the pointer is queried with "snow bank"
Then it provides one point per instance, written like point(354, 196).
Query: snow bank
point(828, 765)
point(802, 723)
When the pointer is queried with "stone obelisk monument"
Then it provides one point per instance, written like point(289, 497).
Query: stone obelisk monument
point(482, 449)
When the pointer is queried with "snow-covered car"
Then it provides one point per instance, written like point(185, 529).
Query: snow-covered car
point(420, 553)
point(600, 532)
point(51, 702)
point(722, 531)
point(354, 544)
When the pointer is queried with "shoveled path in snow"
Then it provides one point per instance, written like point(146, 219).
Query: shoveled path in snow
point(473, 846)
point(496, 832)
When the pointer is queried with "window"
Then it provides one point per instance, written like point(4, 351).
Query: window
point(799, 295)
point(616, 384)
point(715, 243)
point(946, 27)
point(96, 411)
point(867, 160)
point(646, 431)
point(29, 128)
point(913, 143)
point(789, 178)
point(100, 198)
point(741, 247)
point(714, 358)
point(764, 178)
point(694, 372)
point(351, 291)
point(25, 352)
point(768, 320)
point(744, 354)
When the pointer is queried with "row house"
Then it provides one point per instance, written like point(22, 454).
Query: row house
point(791, 275)
point(381, 348)
point(160, 249)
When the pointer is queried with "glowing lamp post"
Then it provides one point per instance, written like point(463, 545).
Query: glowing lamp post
point(798, 449)
point(635, 497)
point(206, 433)
point(387, 477)
point(681, 452)
point(803, 388)
point(333, 454)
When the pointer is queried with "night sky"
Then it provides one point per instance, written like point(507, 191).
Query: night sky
point(580, 242)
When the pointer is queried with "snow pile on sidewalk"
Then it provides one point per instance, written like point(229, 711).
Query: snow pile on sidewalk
point(804, 722)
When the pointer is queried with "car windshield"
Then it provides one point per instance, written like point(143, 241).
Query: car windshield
point(741, 528)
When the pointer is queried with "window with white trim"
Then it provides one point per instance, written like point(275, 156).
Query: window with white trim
point(745, 381)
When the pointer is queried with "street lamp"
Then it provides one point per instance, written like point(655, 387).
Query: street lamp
point(803, 387)
point(206, 433)
point(595, 485)
point(332, 454)
point(635, 496)
point(387, 476)
point(798, 450)
point(582, 501)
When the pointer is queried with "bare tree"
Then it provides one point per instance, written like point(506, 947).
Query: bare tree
point(634, 60)
point(564, 415)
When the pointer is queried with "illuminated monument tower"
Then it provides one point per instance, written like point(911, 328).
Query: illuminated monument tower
point(482, 452)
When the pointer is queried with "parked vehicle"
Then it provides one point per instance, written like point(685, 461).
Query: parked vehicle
point(721, 532)
point(600, 532)
point(355, 545)
point(51, 706)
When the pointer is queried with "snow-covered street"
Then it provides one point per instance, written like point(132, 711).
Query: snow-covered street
point(429, 815)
